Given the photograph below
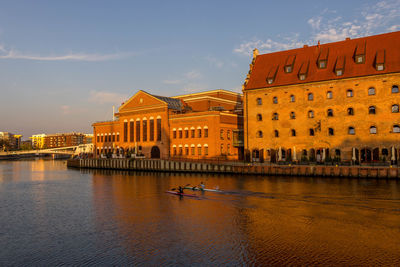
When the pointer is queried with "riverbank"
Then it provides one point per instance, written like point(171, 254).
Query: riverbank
point(158, 165)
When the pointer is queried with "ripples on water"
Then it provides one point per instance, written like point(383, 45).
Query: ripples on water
point(51, 215)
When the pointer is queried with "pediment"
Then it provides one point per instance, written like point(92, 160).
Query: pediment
point(141, 100)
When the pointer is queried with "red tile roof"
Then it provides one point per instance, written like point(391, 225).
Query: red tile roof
point(340, 55)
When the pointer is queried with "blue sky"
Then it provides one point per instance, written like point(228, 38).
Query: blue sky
point(63, 65)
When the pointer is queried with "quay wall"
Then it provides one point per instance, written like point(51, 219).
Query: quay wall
point(230, 168)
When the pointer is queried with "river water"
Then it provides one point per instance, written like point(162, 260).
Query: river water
point(52, 215)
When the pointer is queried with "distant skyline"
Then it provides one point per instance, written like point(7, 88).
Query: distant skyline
point(63, 65)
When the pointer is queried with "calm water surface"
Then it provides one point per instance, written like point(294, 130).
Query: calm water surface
point(51, 215)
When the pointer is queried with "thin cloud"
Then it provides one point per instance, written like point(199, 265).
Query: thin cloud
point(14, 54)
point(193, 75)
point(328, 27)
point(172, 81)
point(215, 62)
point(66, 109)
point(99, 97)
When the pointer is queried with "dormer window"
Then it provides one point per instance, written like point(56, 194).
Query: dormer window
point(339, 66)
point(380, 66)
point(303, 71)
point(360, 59)
point(323, 58)
point(380, 60)
point(359, 56)
point(271, 74)
point(289, 64)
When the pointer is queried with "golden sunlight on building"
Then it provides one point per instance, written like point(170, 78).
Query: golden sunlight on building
point(330, 102)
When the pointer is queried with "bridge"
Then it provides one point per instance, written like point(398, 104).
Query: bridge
point(70, 150)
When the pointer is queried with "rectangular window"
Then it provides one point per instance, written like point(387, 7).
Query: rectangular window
point(186, 133)
point(151, 130)
point(193, 131)
point(206, 150)
point(131, 131)
point(199, 132)
point(221, 134)
point(174, 134)
point(174, 151)
point(228, 149)
point(113, 138)
point(137, 131)
point(125, 131)
point(180, 134)
point(206, 132)
point(118, 137)
point(180, 151)
point(98, 138)
point(158, 129)
point(222, 149)
point(186, 151)
point(228, 135)
point(193, 150)
point(199, 150)
point(144, 130)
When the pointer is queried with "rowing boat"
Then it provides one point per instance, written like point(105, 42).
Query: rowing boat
point(201, 189)
point(180, 194)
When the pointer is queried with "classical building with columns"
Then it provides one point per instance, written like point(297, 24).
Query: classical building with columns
point(329, 102)
point(204, 125)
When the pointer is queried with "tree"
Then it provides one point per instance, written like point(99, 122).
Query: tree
point(4, 144)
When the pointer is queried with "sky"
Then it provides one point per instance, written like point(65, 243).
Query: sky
point(64, 64)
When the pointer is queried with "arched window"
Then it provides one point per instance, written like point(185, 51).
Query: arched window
point(311, 132)
point(395, 89)
point(259, 117)
point(349, 93)
point(372, 110)
point(371, 91)
point(395, 108)
point(311, 114)
point(372, 130)
point(276, 133)
point(293, 132)
point(329, 95)
point(259, 134)
point(259, 101)
point(275, 116)
point(351, 130)
point(292, 98)
point(292, 115)
point(275, 100)
point(310, 97)
point(331, 131)
point(329, 113)
point(350, 111)
point(396, 128)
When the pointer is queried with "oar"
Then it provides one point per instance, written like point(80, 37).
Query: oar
point(183, 187)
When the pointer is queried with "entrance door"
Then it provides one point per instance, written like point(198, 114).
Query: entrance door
point(155, 152)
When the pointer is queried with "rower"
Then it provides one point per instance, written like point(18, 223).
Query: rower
point(202, 186)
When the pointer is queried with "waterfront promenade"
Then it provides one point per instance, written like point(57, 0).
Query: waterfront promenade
point(157, 165)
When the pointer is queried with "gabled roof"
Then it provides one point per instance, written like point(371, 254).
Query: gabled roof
point(383, 47)
point(172, 102)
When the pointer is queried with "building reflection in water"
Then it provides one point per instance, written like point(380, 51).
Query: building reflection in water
point(259, 220)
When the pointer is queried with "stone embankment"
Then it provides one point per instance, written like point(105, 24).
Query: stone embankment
point(237, 168)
